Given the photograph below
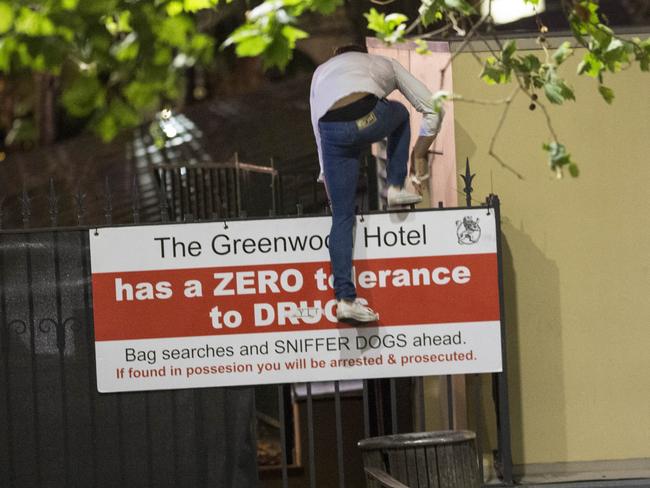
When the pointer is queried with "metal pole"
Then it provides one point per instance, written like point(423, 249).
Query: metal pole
point(503, 408)
point(339, 434)
point(310, 438)
point(366, 410)
point(237, 186)
point(274, 189)
point(90, 342)
point(393, 406)
point(283, 436)
point(450, 402)
point(5, 349)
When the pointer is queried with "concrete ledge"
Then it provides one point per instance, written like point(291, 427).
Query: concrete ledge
point(636, 483)
point(600, 474)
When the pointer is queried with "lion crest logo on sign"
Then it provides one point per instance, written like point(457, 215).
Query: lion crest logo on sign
point(468, 230)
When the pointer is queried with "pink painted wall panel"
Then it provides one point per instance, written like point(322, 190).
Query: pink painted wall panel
point(427, 68)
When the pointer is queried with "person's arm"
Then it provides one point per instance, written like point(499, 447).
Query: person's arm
point(421, 98)
point(419, 156)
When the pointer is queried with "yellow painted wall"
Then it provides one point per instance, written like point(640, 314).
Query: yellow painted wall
point(577, 264)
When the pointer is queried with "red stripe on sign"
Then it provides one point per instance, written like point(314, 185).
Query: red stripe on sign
point(291, 297)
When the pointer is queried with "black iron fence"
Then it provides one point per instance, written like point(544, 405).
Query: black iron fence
point(58, 431)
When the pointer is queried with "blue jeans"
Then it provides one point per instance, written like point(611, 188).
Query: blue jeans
point(342, 144)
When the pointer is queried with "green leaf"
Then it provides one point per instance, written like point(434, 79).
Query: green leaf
point(325, 7)
point(128, 49)
point(439, 98)
point(201, 42)
point(125, 115)
point(174, 8)
point(176, 30)
point(556, 89)
point(422, 47)
point(430, 12)
point(33, 23)
point(83, 96)
point(24, 57)
point(277, 53)
point(397, 35)
point(493, 72)
point(124, 21)
point(293, 34)
point(162, 56)
point(615, 55)
point(553, 93)
point(242, 33)
point(69, 4)
point(107, 127)
point(644, 62)
point(531, 62)
point(601, 36)
point(574, 171)
point(586, 11)
point(196, 5)
point(567, 92)
point(6, 17)
point(142, 95)
point(6, 49)
point(606, 93)
point(558, 92)
point(66, 33)
point(509, 48)
point(376, 21)
point(642, 53)
point(253, 46)
point(52, 53)
point(583, 67)
point(558, 158)
point(396, 19)
point(590, 65)
point(460, 5)
point(389, 28)
point(562, 53)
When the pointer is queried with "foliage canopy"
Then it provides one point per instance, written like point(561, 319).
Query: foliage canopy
point(117, 61)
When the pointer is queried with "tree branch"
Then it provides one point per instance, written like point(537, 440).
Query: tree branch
point(493, 140)
point(461, 48)
point(541, 106)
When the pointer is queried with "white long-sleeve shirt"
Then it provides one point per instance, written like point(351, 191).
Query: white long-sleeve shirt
point(355, 72)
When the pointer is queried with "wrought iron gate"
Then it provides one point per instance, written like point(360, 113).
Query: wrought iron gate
point(60, 432)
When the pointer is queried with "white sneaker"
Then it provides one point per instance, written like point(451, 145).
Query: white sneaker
point(401, 196)
point(354, 312)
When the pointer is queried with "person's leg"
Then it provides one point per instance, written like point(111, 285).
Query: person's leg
point(392, 122)
point(341, 168)
point(398, 144)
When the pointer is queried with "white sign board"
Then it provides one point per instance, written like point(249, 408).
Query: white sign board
point(202, 305)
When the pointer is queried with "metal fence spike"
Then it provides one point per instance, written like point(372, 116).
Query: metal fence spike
point(25, 206)
point(2, 202)
point(108, 202)
point(53, 204)
point(79, 200)
point(467, 179)
point(135, 193)
point(163, 204)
